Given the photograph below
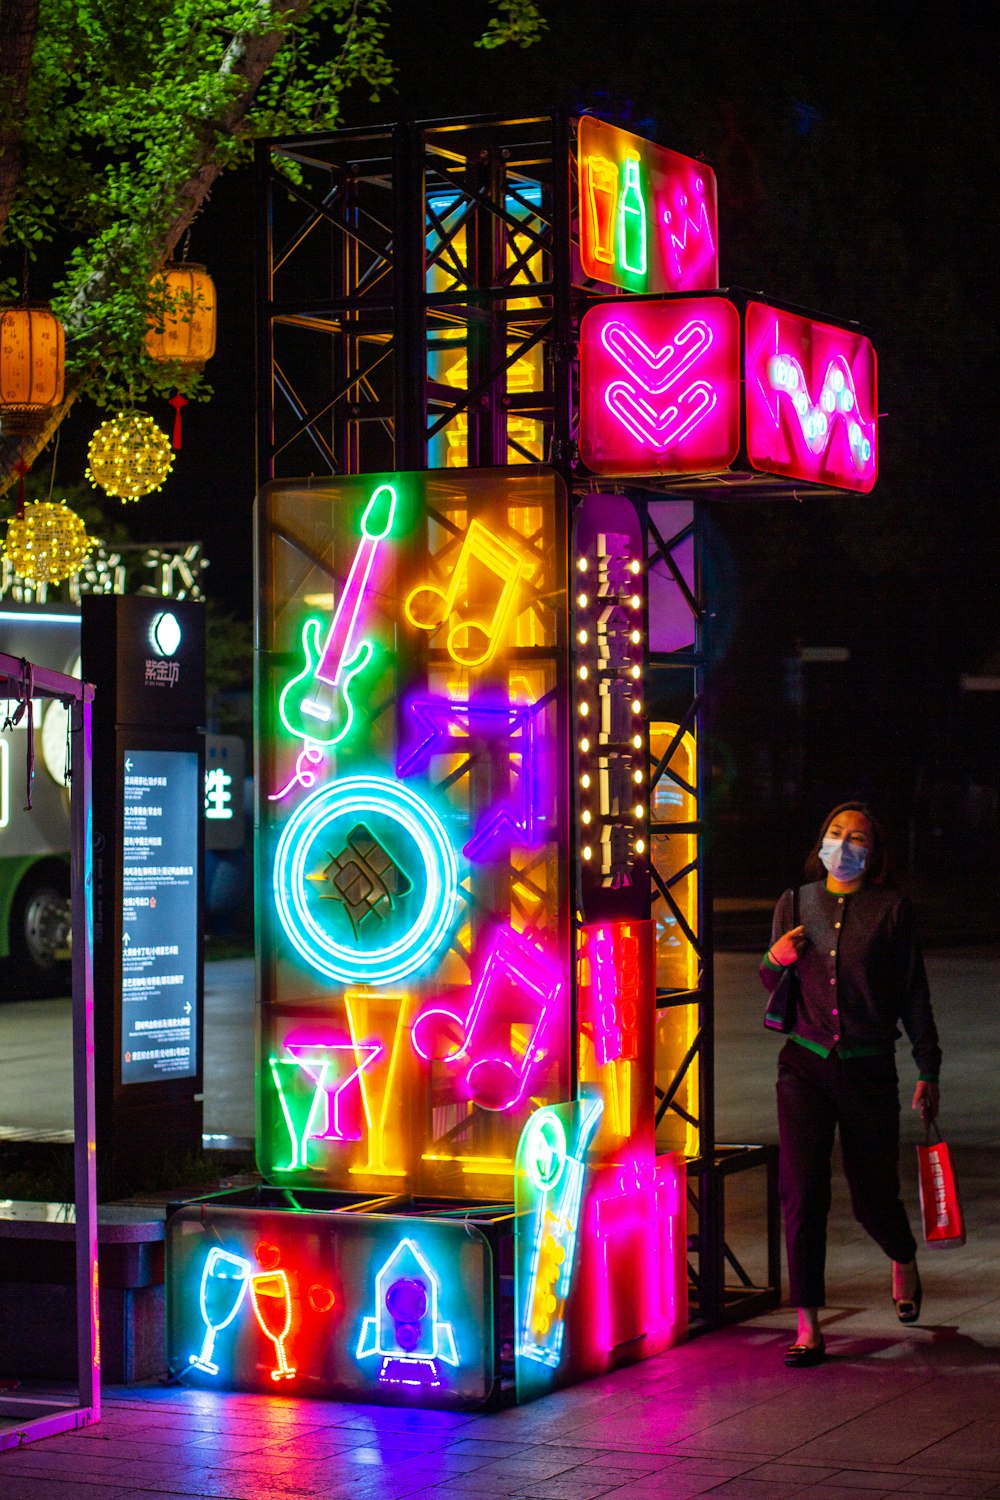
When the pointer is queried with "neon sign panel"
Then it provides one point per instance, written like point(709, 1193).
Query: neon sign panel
point(811, 400)
point(659, 387)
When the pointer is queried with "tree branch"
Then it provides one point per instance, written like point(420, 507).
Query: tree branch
point(247, 58)
point(18, 28)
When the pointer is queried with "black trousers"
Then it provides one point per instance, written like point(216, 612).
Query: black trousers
point(815, 1096)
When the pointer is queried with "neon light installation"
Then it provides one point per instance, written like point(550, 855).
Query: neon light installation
point(307, 830)
point(517, 984)
point(601, 179)
point(659, 387)
point(224, 1281)
point(517, 822)
point(689, 240)
point(405, 1328)
point(613, 954)
point(811, 399)
point(472, 637)
point(640, 1215)
point(272, 1305)
point(559, 1178)
point(316, 705)
point(381, 1011)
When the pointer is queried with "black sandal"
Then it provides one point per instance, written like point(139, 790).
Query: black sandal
point(908, 1308)
point(805, 1356)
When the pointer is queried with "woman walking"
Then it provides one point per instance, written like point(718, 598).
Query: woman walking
point(861, 973)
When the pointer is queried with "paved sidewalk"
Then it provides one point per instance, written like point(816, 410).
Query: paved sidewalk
point(895, 1411)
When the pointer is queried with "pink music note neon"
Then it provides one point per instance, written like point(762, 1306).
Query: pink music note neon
point(518, 984)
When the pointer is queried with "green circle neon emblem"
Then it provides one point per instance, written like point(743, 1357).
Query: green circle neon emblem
point(356, 797)
point(544, 1150)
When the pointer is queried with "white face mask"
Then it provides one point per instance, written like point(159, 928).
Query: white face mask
point(844, 861)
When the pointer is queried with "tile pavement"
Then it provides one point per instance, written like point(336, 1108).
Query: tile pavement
point(893, 1412)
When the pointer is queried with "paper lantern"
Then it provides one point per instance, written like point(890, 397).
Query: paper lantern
point(129, 456)
point(32, 364)
point(188, 332)
point(47, 542)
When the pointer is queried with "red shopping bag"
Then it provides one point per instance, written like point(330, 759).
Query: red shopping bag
point(940, 1204)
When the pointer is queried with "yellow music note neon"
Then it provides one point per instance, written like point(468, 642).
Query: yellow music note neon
point(507, 565)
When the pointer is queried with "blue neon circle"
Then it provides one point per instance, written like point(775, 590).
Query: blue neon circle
point(357, 795)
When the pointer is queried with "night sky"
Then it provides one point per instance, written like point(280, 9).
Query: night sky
point(855, 147)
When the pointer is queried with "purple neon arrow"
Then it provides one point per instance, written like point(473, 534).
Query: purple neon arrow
point(434, 718)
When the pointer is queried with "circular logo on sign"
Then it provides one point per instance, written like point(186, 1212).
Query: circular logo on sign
point(165, 634)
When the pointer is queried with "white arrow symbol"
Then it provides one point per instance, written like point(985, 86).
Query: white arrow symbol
point(128, 765)
point(187, 1007)
point(125, 939)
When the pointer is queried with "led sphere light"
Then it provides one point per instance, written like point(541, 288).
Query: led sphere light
point(129, 456)
point(48, 543)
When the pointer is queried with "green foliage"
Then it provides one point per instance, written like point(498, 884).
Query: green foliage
point(133, 110)
point(519, 21)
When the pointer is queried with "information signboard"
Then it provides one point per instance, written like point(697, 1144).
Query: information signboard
point(159, 915)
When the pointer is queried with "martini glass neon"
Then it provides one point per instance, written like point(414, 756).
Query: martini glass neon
point(224, 1283)
point(272, 1304)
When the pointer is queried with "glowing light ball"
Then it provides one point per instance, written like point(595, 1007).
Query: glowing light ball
point(47, 543)
point(129, 456)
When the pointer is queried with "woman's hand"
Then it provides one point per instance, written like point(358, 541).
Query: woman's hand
point(927, 1098)
point(786, 949)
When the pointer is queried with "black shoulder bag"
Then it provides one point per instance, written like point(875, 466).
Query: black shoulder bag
point(783, 1000)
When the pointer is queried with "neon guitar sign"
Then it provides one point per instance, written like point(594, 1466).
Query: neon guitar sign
point(316, 705)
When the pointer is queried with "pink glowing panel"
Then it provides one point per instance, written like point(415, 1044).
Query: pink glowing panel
point(811, 400)
point(648, 216)
point(659, 387)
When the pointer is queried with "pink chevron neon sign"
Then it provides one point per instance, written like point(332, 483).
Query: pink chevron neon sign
point(811, 400)
point(659, 387)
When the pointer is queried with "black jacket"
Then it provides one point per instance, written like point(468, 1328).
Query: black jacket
point(861, 973)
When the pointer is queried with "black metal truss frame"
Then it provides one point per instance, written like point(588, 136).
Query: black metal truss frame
point(373, 215)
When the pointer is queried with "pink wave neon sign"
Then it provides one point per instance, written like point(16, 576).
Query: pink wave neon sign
point(811, 400)
point(659, 387)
